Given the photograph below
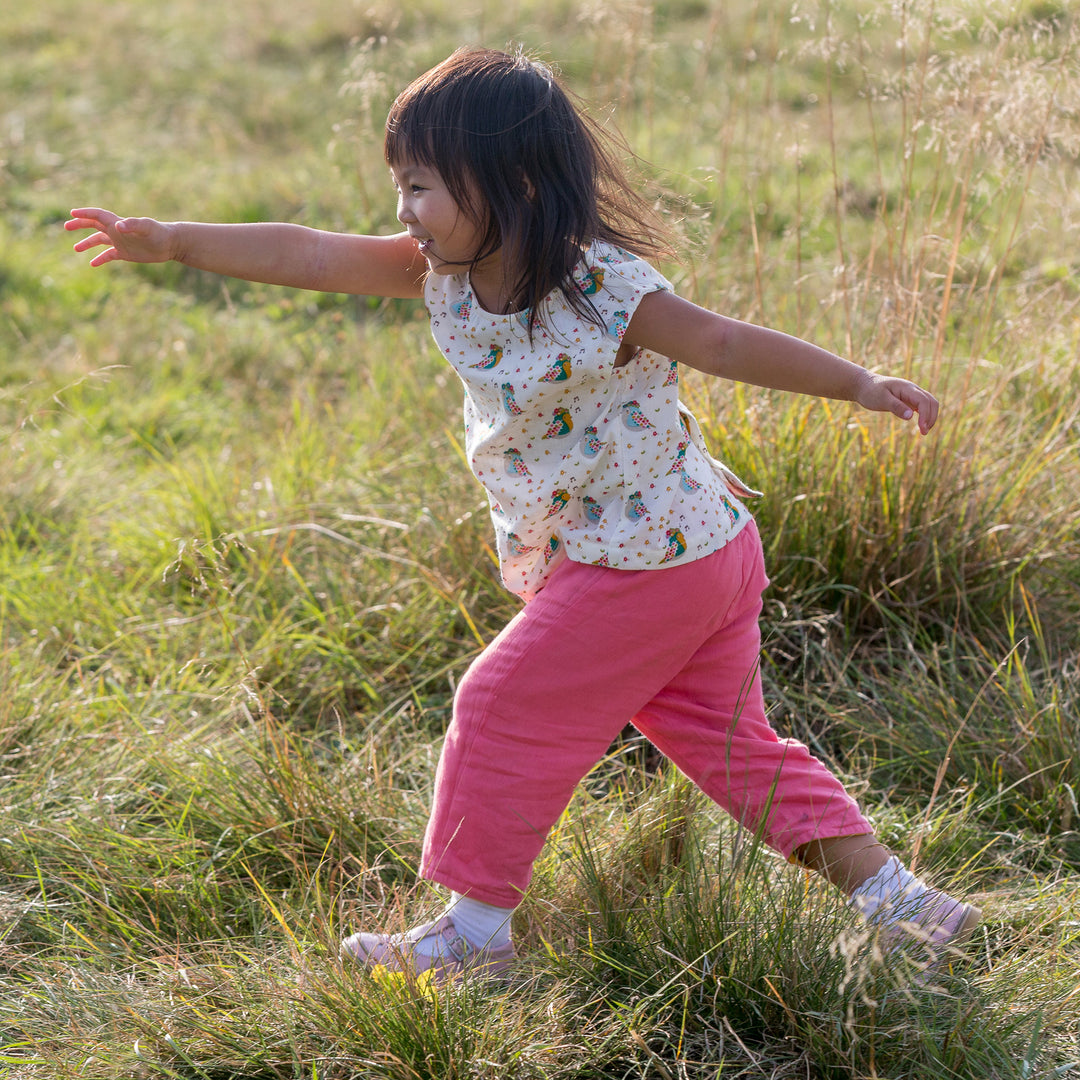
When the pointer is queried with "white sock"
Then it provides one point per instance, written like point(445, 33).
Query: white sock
point(893, 892)
point(482, 925)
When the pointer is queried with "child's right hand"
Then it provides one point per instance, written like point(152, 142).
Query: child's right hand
point(141, 240)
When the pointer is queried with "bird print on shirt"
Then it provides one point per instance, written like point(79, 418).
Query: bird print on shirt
point(617, 327)
point(559, 499)
point(494, 355)
point(462, 308)
point(594, 511)
point(680, 459)
point(560, 425)
point(517, 546)
point(515, 463)
point(559, 371)
point(676, 545)
point(635, 507)
point(616, 254)
point(590, 442)
point(686, 481)
point(509, 404)
point(633, 417)
point(732, 512)
point(592, 282)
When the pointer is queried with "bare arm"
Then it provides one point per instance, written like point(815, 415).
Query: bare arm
point(731, 349)
point(273, 252)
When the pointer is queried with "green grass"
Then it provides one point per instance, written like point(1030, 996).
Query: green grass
point(242, 564)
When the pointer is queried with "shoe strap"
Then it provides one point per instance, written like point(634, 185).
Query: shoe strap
point(450, 943)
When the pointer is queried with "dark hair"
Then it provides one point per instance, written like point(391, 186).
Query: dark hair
point(531, 170)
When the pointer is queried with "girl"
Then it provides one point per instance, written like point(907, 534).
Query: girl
point(639, 564)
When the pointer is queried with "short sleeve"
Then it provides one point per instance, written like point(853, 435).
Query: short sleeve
point(614, 281)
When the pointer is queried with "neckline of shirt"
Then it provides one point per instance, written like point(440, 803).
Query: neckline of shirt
point(474, 300)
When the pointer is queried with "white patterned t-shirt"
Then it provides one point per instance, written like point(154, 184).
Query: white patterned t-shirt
point(581, 459)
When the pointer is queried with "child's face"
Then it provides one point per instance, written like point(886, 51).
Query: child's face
point(449, 239)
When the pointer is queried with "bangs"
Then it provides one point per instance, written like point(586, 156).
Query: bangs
point(472, 119)
point(411, 137)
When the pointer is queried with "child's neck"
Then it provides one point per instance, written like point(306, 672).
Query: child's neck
point(490, 285)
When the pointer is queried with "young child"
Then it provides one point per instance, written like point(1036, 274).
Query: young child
point(639, 564)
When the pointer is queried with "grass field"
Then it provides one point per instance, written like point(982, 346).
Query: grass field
point(242, 563)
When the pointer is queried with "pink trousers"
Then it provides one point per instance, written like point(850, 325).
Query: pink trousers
point(675, 651)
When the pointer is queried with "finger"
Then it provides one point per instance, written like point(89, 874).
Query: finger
point(95, 212)
point(82, 223)
point(91, 217)
point(896, 403)
point(106, 256)
point(921, 402)
point(932, 413)
point(96, 240)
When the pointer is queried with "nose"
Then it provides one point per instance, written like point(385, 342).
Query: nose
point(404, 212)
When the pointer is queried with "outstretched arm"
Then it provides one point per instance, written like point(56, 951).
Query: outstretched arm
point(273, 252)
point(717, 345)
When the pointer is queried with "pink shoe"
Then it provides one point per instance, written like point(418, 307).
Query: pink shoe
point(451, 955)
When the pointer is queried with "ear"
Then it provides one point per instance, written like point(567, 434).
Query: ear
point(529, 186)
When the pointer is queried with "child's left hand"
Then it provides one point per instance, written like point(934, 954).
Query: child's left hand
point(882, 393)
